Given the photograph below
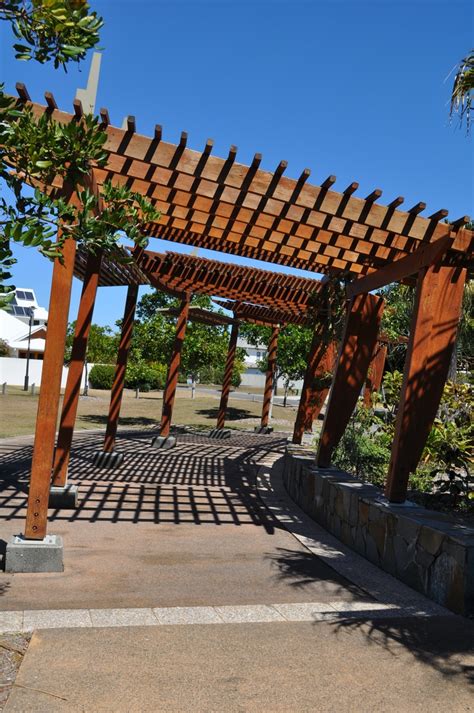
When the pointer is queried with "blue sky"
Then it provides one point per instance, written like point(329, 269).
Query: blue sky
point(351, 88)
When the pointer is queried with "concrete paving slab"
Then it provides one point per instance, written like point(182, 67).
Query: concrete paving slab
point(11, 621)
point(242, 614)
point(122, 617)
point(388, 665)
point(54, 619)
point(187, 615)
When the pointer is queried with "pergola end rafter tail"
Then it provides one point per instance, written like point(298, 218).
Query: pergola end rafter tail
point(223, 205)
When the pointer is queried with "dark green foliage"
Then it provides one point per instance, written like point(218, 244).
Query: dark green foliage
point(102, 345)
point(57, 30)
point(146, 377)
point(101, 376)
point(236, 380)
point(364, 449)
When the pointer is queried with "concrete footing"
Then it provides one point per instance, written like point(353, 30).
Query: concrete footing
point(34, 555)
point(220, 433)
point(263, 429)
point(103, 459)
point(164, 442)
point(65, 498)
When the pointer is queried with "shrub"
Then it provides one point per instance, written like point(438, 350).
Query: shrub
point(145, 376)
point(364, 449)
point(101, 376)
point(236, 376)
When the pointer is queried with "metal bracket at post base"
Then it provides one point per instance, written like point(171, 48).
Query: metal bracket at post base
point(44, 555)
point(263, 429)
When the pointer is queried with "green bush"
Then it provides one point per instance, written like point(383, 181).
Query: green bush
point(364, 449)
point(145, 376)
point(101, 376)
point(219, 377)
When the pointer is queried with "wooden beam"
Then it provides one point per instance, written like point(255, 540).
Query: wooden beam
point(229, 368)
point(49, 397)
point(357, 347)
point(321, 359)
point(270, 377)
point(76, 368)
point(375, 372)
point(173, 371)
point(400, 269)
point(434, 325)
point(118, 383)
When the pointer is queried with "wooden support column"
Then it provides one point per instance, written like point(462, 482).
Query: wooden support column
point(433, 330)
point(270, 377)
point(229, 368)
point(50, 394)
point(120, 368)
point(173, 371)
point(321, 359)
point(375, 373)
point(357, 347)
point(76, 368)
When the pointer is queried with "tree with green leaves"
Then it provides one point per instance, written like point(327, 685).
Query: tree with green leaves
point(463, 86)
point(102, 344)
point(38, 151)
point(292, 354)
point(205, 346)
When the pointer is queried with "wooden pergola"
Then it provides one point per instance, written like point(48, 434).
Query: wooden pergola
point(222, 205)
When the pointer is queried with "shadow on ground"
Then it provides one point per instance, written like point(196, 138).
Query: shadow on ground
point(232, 413)
point(444, 643)
point(127, 421)
point(200, 481)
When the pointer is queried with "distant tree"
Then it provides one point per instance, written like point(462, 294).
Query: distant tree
point(463, 86)
point(102, 344)
point(292, 354)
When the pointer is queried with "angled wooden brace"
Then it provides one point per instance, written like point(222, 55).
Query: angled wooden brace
point(357, 346)
point(373, 381)
point(435, 320)
point(321, 360)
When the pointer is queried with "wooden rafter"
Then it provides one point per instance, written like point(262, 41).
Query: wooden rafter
point(258, 314)
point(222, 205)
point(178, 274)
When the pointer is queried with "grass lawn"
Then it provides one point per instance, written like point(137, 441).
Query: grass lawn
point(18, 411)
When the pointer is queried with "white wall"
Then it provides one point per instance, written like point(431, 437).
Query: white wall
point(12, 370)
point(255, 378)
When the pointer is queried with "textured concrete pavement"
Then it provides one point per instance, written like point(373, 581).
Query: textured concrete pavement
point(187, 593)
point(382, 665)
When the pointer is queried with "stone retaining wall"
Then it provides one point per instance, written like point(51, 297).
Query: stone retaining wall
point(427, 550)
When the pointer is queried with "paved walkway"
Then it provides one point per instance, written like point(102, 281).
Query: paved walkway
point(193, 583)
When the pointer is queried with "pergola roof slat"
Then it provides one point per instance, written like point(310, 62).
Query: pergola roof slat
point(222, 205)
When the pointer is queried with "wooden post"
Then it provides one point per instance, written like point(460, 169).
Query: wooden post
point(270, 377)
point(120, 368)
point(173, 371)
point(229, 368)
point(357, 347)
point(50, 394)
point(321, 359)
point(433, 330)
point(76, 368)
point(375, 372)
